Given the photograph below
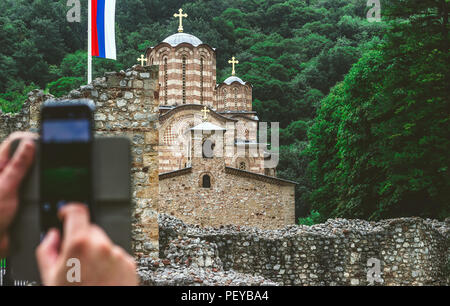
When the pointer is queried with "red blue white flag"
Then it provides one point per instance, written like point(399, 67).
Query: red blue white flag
point(103, 28)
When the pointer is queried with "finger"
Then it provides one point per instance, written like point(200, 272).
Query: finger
point(18, 166)
point(75, 218)
point(98, 233)
point(47, 252)
point(6, 145)
point(121, 253)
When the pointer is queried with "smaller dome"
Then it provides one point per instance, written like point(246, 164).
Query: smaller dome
point(179, 38)
point(232, 79)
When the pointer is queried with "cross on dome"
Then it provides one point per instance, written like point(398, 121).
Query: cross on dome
point(233, 62)
point(180, 15)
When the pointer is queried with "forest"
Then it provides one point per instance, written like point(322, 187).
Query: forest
point(363, 106)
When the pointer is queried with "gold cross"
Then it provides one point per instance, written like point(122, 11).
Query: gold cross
point(142, 60)
point(181, 15)
point(205, 111)
point(233, 62)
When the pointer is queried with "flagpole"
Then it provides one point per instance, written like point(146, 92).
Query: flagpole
point(89, 73)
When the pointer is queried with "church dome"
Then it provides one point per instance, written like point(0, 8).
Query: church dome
point(179, 38)
point(232, 79)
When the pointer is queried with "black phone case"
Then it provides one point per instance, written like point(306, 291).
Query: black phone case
point(112, 210)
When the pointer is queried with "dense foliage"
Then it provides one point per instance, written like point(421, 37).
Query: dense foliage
point(380, 143)
point(379, 139)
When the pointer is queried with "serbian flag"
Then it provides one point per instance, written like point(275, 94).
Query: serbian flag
point(103, 28)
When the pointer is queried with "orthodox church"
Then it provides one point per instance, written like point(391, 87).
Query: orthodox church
point(212, 168)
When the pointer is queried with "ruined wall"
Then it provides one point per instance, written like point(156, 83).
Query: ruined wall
point(13, 122)
point(27, 118)
point(260, 203)
point(126, 105)
point(412, 251)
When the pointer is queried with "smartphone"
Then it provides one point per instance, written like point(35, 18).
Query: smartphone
point(66, 159)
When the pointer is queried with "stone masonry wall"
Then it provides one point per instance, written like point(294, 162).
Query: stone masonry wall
point(261, 204)
point(412, 251)
point(27, 118)
point(126, 105)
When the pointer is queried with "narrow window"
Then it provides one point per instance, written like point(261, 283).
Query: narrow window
point(184, 79)
point(224, 98)
point(166, 78)
point(201, 80)
point(206, 181)
point(235, 98)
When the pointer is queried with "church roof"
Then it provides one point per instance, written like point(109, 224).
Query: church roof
point(179, 38)
point(183, 107)
point(207, 126)
point(260, 177)
point(232, 79)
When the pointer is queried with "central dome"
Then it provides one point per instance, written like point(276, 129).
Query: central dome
point(179, 38)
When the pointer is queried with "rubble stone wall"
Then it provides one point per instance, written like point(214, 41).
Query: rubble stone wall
point(411, 251)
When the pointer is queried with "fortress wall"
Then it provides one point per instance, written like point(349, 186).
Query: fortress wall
point(126, 105)
point(13, 122)
point(23, 120)
point(411, 251)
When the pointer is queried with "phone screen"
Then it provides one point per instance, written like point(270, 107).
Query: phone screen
point(66, 154)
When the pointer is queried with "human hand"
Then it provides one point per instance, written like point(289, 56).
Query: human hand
point(12, 172)
point(102, 263)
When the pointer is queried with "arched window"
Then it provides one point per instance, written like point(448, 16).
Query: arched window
point(224, 98)
point(166, 79)
point(184, 78)
point(235, 98)
point(247, 134)
point(201, 80)
point(206, 181)
point(247, 99)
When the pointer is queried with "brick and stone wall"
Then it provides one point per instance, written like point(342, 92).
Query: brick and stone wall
point(412, 251)
point(234, 96)
point(126, 105)
point(235, 197)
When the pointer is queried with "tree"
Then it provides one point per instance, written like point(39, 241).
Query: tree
point(64, 85)
point(379, 145)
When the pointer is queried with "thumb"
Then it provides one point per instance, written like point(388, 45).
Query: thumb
point(48, 251)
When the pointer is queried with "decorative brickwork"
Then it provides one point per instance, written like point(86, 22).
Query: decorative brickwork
point(197, 64)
